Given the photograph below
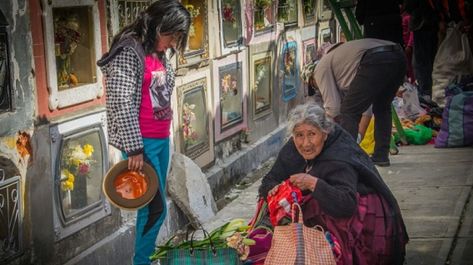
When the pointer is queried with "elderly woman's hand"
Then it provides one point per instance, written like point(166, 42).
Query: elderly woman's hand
point(304, 181)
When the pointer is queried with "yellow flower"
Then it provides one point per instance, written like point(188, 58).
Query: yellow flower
point(88, 150)
point(75, 162)
point(67, 185)
point(71, 178)
point(67, 180)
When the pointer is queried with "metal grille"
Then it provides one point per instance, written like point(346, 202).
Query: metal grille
point(9, 216)
point(129, 10)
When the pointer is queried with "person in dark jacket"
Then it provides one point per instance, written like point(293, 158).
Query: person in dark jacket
point(343, 191)
point(425, 23)
point(139, 84)
point(380, 19)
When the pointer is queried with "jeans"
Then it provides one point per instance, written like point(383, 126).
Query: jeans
point(150, 218)
point(376, 82)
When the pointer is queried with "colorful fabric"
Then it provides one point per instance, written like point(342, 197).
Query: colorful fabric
point(365, 238)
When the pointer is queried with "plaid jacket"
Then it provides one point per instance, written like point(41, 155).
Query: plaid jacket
point(123, 68)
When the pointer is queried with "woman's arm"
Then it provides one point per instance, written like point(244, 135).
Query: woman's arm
point(121, 89)
point(336, 188)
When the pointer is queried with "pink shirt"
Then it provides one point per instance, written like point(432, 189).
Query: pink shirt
point(150, 126)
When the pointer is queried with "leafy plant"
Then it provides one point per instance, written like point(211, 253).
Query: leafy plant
point(232, 234)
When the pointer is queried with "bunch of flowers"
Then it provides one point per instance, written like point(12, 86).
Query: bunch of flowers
point(232, 234)
point(76, 162)
point(188, 131)
point(260, 73)
point(229, 85)
point(66, 39)
point(228, 14)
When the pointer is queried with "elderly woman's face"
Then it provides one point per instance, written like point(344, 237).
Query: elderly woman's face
point(309, 140)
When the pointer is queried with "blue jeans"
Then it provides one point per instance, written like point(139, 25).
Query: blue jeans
point(150, 218)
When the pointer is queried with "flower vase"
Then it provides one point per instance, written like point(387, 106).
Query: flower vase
point(79, 193)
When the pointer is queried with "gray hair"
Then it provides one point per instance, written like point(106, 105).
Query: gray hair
point(311, 114)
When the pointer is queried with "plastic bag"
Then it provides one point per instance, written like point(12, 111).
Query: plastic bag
point(279, 204)
point(418, 135)
point(411, 107)
point(453, 57)
point(367, 144)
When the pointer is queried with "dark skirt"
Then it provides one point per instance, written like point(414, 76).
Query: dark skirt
point(366, 238)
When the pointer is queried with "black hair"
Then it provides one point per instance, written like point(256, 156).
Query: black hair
point(161, 17)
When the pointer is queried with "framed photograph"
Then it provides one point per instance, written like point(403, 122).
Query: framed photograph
point(309, 12)
point(230, 81)
point(230, 21)
point(309, 51)
point(197, 49)
point(324, 10)
point(288, 12)
point(324, 33)
point(263, 16)
point(289, 70)
point(194, 132)
point(261, 83)
point(73, 45)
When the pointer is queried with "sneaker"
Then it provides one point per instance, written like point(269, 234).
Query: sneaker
point(381, 162)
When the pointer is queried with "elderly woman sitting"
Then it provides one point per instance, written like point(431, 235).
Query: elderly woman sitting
point(343, 191)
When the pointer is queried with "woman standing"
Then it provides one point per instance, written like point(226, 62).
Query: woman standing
point(139, 84)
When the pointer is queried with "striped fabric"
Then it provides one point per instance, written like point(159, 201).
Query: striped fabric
point(222, 256)
point(456, 129)
point(299, 245)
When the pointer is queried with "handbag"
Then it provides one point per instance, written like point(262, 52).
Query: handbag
point(261, 231)
point(299, 245)
point(206, 255)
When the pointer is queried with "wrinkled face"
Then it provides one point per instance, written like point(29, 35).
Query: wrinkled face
point(309, 140)
point(166, 41)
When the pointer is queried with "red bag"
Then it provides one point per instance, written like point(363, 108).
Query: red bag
point(279, 205)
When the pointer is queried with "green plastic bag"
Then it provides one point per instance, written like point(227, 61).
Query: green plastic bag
point(418, 135)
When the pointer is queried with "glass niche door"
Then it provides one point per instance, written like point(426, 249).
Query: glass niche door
point(73, 45)
point(80, 172)
point(261, 82)
point(287, 12)
point(197, 48)
point(79, 162)
point(230, 21)
point(289, 68)
point(230, 80)
point(194, 119)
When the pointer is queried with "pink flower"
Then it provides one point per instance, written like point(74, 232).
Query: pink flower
point(83, 169)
